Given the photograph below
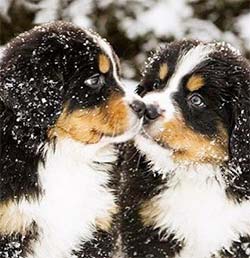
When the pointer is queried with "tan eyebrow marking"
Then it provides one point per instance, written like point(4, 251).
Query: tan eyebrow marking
point(163, 71)
point(104, 63)
point(195, 82)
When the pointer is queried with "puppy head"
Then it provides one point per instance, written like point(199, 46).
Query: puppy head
point(197, 95)
point(64, 80)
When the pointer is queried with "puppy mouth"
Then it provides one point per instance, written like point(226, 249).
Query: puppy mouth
point(144, 132)
point(187, 145)
point(146, 135)
point(126, 135)
point(109, 123)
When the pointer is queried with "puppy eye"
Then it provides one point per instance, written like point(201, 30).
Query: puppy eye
point(157, 85)
point(196, 100)
point(95, 81)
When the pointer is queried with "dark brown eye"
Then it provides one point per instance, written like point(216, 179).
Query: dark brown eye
point(96, 81)
point(157, 85)
point(196, 100)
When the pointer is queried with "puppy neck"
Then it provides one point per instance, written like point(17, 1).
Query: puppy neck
point(75, 187)
point(162, 162)
point(159, 158)
point(79, 152)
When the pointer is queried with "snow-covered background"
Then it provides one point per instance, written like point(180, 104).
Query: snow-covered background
point(136, 27)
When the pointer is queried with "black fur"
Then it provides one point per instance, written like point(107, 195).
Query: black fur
point(226, 92)
point(18, 245)
point(239, 249)
point(42, 71)
point(102, 245)
point(139, 185)
point(227, 95)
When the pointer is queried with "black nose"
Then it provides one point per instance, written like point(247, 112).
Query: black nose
point(152, 112)
point(139, 107)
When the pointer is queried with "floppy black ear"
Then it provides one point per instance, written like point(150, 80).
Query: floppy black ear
point(30, 85)
point(240, 144)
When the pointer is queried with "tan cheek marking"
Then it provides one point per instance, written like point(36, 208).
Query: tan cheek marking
point(89, 125)
point(115, 116)
point(105, 223)
point(12, 220)
point(104, 63)
point(149, 212)
point(163, 71)
point(195, 82)
point(79, 125)
point(189, 145)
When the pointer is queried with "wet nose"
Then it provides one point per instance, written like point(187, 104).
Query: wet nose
point(152, 112)
point(139, 108)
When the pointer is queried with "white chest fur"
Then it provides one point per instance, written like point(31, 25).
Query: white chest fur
point(74, 196)
point(196, 208)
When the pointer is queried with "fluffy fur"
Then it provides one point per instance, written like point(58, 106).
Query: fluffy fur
point(186, 176)
point(62, 106)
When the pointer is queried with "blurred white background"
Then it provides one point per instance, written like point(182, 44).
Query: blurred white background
point(135, 28)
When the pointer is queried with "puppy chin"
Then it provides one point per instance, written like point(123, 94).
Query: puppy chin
point(154, 128)
point(159, 157)
point(134, 127)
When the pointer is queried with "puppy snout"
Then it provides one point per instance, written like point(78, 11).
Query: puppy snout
point(138, 107)
point(152, 112)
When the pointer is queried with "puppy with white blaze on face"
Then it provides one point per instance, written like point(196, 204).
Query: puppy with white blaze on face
point(186, 177)
point(62, 107)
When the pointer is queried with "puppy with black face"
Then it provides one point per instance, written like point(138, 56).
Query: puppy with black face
point(62, 106)
point(187, 176)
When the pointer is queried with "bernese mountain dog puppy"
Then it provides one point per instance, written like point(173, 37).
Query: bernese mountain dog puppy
point(62, 107)
point(186, 186)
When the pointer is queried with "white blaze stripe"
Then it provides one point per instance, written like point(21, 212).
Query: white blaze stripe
point(129, 96)
point(188, 62)
point(107, 49)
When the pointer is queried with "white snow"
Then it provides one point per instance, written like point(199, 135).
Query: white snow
point(4, 7)
point(163, 18)
point(48, 11)
point(242, 26)
point(79, 11)
point(1, 52)
point(153, 20)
